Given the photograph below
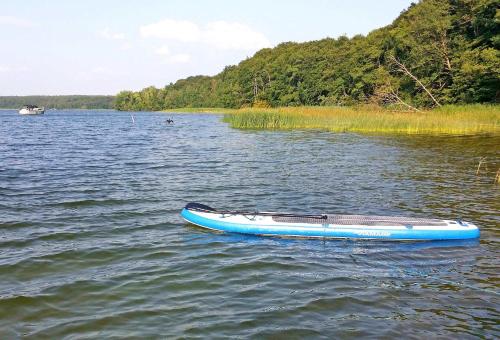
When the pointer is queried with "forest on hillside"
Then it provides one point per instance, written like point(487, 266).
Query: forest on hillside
point(58, 102)
point(436, 52)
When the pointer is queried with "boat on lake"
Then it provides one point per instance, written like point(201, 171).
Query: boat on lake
point(328, 225)
point(31, 110)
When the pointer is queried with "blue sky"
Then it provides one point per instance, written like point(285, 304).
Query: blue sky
point(102, 47)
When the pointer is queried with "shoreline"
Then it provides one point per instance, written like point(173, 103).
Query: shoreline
point(473, 119)
point(207, 110)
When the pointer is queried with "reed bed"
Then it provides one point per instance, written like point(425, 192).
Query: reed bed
point(451, 120)
point(216, 110)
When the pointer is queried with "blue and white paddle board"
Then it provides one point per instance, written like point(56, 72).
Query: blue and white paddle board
point(328, 226)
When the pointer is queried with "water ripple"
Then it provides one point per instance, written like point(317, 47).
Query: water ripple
point(92, 244)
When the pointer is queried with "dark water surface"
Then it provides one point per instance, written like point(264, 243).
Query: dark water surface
point(92, 244)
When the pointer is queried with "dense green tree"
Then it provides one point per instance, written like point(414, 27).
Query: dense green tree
point(436, 52)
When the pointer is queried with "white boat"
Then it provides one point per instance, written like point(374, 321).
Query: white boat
point(31, 110)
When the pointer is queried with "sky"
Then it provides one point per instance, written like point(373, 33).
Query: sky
point(57, 47)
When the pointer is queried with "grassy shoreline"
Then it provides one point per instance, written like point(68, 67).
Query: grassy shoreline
point(451, 119)
point(212, 110)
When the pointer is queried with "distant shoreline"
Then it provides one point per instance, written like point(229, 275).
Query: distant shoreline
point(84, 102)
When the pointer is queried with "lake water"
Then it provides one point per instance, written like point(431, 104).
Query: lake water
point(92, 244)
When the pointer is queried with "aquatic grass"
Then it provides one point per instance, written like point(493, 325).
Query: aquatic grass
point(216, 110)
point(452, 120)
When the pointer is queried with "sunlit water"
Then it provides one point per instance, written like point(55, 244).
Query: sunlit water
point(92, 244)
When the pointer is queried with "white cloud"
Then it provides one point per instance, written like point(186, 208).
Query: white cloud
point(15, 21)
point(220, 34)
point(180, 30)
point(164, 50)
point(106, 33)
point(5, 69)
point(233, 35)
point(126, 46)
point(169, 58)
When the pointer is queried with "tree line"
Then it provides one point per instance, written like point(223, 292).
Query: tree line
point(436, 52)
point(59, 102)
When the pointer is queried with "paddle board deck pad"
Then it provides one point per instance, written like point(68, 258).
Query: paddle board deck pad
point(328, 226)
